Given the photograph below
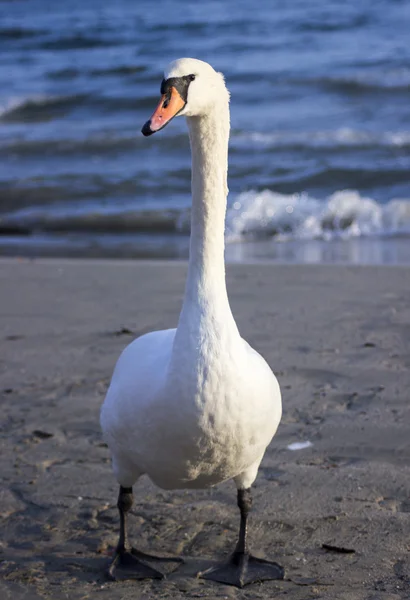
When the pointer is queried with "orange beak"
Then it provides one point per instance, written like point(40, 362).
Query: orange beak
point(169, 106)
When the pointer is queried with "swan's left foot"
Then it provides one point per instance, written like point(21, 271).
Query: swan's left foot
point(126, 565)
point(243, 568)
point(129, 563)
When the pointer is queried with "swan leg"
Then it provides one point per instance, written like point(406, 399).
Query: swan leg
point(242, 568)
point(128, 563)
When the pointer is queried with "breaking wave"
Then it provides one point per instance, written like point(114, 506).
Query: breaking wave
point(39, 108)
point(252, 214)
point(343, 214)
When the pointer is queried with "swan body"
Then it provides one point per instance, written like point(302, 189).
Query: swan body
point(194, 406)
point(203, 420)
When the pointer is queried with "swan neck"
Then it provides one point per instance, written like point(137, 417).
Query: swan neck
point(209, 137)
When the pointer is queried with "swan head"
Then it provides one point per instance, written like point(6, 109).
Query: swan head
point(190, 88)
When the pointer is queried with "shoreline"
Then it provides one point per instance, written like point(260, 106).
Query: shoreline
point(386, 250)
point(337, 339)
point(183, 262)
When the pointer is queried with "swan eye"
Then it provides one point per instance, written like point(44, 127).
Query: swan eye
point(191, 77)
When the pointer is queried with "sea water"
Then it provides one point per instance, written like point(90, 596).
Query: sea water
point(320, 139)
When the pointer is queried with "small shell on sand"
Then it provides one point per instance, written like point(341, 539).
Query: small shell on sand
point(299, 445)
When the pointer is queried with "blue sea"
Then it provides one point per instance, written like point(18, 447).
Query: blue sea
point(320, 141)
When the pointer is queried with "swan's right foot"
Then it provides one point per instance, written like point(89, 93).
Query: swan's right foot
point(127, 565)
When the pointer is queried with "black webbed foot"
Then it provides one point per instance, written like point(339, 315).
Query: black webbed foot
point(243, 569)
point(127, 565)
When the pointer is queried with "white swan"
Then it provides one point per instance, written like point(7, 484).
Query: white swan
point(194, 406)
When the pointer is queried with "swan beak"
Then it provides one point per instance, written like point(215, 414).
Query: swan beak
point(169, 106)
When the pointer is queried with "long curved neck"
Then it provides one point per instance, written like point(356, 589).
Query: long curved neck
point(209, 137)
point(205, 312)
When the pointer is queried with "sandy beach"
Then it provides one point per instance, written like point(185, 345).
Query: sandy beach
point(335, 514)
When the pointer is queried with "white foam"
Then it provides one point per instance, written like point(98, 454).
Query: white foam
point(344, 214)
point(251, 215)
point(15, 103)
point(342, 137)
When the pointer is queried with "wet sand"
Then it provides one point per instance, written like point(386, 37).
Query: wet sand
point(338, 339)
